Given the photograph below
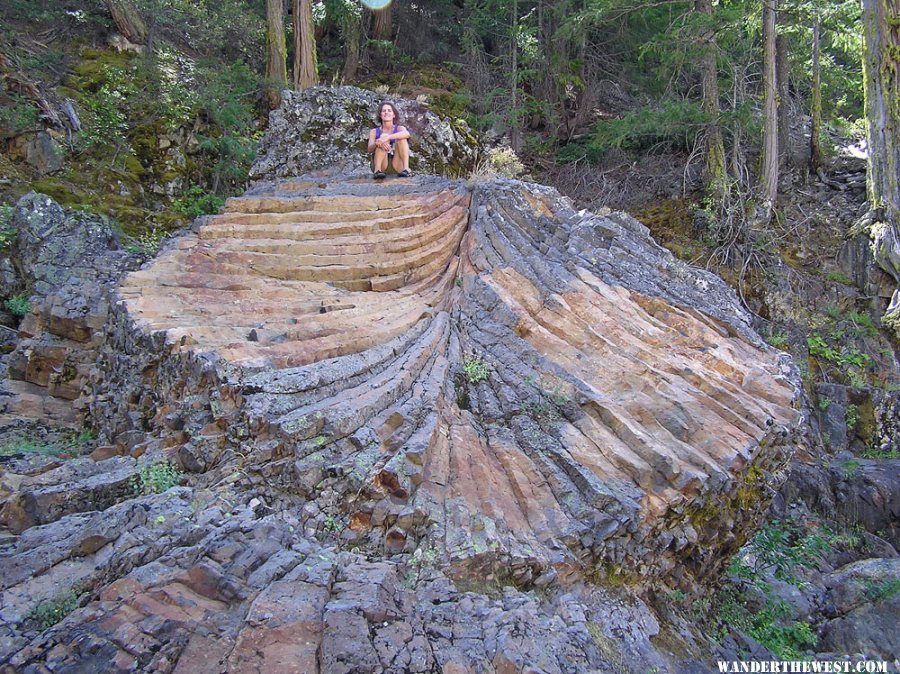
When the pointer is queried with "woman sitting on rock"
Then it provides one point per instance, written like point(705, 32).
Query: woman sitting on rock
point(389, 142)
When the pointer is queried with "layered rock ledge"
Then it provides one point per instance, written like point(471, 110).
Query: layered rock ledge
point(394, 403)
point(477, 368)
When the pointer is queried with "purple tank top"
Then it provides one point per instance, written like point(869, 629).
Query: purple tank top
point(378, 133)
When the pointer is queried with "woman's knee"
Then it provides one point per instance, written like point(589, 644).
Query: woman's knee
point(401, 145)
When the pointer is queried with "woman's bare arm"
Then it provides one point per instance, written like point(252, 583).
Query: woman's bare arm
point(372, 140)
point(402, 133)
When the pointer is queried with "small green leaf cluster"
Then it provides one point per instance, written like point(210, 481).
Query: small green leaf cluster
point(777, 339)
point(839, 277)
point(49, 612)
point(18, 117)
point(475, 369)
point(877, 591)
point(196, 202)
point(18, 305)
point(155, 478)
point(847, 356)
point(7, 229)
point(851, 416)
point(148, 242)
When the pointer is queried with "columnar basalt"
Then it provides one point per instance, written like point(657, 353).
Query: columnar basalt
point(478, 369)
point(382, 395)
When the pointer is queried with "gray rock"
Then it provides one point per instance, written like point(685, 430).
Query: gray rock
point(54, 245)
point(43, 153)
point(327, 128)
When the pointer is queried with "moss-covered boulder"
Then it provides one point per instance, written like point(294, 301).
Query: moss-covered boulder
point(327, 127)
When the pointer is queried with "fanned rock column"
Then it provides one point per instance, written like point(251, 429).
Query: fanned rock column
point(393, 402)
point(530, 390)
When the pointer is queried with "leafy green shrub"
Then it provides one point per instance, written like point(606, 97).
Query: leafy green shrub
point(21, 115)
point(226, 95)
point(674, 125)
point(782, 546)
point(104, 118)
point(49, 612)
point(773, 626)
point(875, 453)
point(67, 447)
point(475, 369)
point(877, 591)
point(148, 243)
point(863, 324)
point(156, 478)
point(18, 305)
point(196, 202)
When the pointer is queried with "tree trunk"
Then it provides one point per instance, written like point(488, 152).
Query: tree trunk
point(128, 21)
point(514, 79)
point(352, 30)
point(881, 75)
point(769, 168)
point(276, 52)
point(815, 108)
point(305, 64)
point(382, 30)
point(715, 147)
point(782, 77)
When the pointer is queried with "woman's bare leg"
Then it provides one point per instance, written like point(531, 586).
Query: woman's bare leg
point(380, 163)
point(401, 155)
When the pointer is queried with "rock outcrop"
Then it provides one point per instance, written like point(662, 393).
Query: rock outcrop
point(65, 261)
point(397, 411)
point(482, 369)
point(327, 127)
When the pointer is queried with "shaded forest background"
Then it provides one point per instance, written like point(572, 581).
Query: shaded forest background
point(571, 85)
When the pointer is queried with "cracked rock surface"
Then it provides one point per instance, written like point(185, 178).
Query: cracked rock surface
point(414, 419)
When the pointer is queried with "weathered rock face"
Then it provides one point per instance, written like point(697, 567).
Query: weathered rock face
point(54, 246)
point(382, 395)
point(65, 260)
point(862, 599)
point(480, 369)
point(328, 127)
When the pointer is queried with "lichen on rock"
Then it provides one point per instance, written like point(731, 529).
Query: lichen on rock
point(327, 128)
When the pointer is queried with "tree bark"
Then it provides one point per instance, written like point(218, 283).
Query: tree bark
point(815, 108)
point(383, 29)
point(782, 76)
point(881, 75)
point(305, 63)
point(276, 52)
point(769, 167)
point(352, 29)
point(128, 21)
point(715, 147)
point(514, 79)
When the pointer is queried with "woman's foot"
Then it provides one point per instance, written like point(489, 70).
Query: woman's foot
point(404, 174)
point(378, 175)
